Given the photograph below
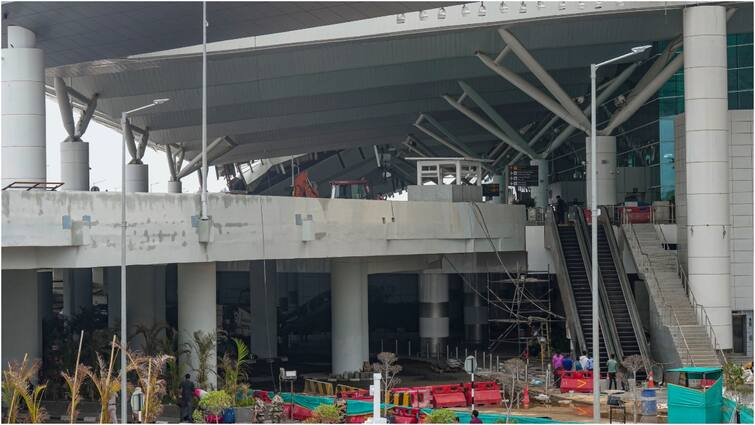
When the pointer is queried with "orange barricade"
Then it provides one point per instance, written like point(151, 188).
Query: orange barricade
point(577, 381)
point(485, 393)
point(448, 396)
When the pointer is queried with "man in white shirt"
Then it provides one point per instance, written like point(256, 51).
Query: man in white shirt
point(583, 360)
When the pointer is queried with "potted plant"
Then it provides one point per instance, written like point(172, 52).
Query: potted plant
point(214, 404)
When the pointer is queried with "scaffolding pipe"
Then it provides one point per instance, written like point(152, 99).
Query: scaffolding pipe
point(533, 65)
point(514, 135)
point(531, 91)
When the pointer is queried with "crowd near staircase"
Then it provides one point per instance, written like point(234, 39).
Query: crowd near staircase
point(659, 268)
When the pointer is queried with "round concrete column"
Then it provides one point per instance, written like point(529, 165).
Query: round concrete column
point(606, 157)
point(74, 165)
point(475, 310)
point(197, 309)
point(77, 290)
point(348, 283)
point(540, 192)
point(174, 186)
point(23, 109)
point(22, 333)
point(145, 299)
point(137, 178)
point(707, 161)
point(433, 312)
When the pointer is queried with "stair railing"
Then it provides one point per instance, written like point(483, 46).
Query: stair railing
point(667, 308)
point(700, 311)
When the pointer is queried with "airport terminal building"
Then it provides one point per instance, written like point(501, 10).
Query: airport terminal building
point(392, 173)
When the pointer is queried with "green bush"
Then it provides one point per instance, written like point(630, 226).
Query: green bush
point(215, 402)
point(440, 416)
point(325, 414)
point(198, 417)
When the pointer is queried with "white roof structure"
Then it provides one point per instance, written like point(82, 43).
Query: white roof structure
point(277, 86)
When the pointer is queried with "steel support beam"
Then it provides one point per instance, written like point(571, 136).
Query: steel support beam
point(657, 66)
point(128, 134)
point(64, 104)
point(483, 123)
point(531, 91)
point(440, 139)
point(553, 87)
point(515, 137)
point(86, 116)
point(212, 155)
point(607, 92)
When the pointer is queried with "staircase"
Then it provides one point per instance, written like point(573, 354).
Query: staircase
point(658, 267)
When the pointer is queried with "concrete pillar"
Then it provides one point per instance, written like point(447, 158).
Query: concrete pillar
point(707, 161)
point(606, 157)
point(263, 289)
point(197, 310)
point(74, 165)
point(145, 290)
point(137, 178)
point(22, 321)
point(44, 281)
point(77, 290)
point(540, 193)
point(174, 186)
point(112, 277)
point(475, 310)
point(433, 312)
point(348, 287)
point(24, 154)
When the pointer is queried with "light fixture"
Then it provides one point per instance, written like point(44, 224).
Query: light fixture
point(464, 10)
point(400, 18)
point(540, 4)
point(160, 101)
point(482, 11)
point(581, 5)
point(422, 15)
point(562, 5)
point(523, 8)
point(442, 13)
point(598, 4)
point(640, 49)
point(503, 7)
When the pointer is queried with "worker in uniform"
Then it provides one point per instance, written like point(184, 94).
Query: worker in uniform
point(276, 409)
point(340, 404)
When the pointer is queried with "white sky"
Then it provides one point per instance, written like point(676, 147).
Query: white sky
point(105, 158)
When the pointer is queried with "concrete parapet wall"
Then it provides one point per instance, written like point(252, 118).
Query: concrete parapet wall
point(82, 229)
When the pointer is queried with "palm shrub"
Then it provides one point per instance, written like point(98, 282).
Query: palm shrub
point(105, 382)
point(16, 384)
point(152, 335)
point(169, 345)
point(203, 345)
point(233, 368)
point(74, 382)
point(215, 402)
point(149, 371)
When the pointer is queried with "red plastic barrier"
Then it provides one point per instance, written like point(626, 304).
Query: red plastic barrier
point(577, 381)
point(448, 396)
point(357, 419)
point(405, 415)
point(485, 393)
point(356, 395)
point(262, 395)
point(300, 413)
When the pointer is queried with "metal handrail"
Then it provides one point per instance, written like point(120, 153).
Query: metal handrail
point(703, 314)
point(647, 266)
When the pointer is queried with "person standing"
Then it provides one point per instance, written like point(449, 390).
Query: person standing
point(561, 210)
point(112, 410)
point(557, 363)
point(583, 360)
point(611, 366)
point(589, 363)
point(187, 398)
point(567, 363)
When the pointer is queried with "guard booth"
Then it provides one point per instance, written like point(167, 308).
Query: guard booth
point(696, 396)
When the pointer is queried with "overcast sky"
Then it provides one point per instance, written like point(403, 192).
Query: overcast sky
point(105, 158)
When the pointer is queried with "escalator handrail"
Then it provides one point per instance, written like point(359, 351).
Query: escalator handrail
point(626, 288)
point(607, 323)
point(564, 282)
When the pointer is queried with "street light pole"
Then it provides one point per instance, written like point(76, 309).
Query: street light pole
point(594, 211)
point(124, 123)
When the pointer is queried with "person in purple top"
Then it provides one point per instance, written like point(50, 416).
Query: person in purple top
point(557, 363)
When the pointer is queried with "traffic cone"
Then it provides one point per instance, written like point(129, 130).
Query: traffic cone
point(651, 384)
point(526, 398)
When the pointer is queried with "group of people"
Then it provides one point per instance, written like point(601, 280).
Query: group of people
point(563, 362)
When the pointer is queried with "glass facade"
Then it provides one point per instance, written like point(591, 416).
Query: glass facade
point(671, 102)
